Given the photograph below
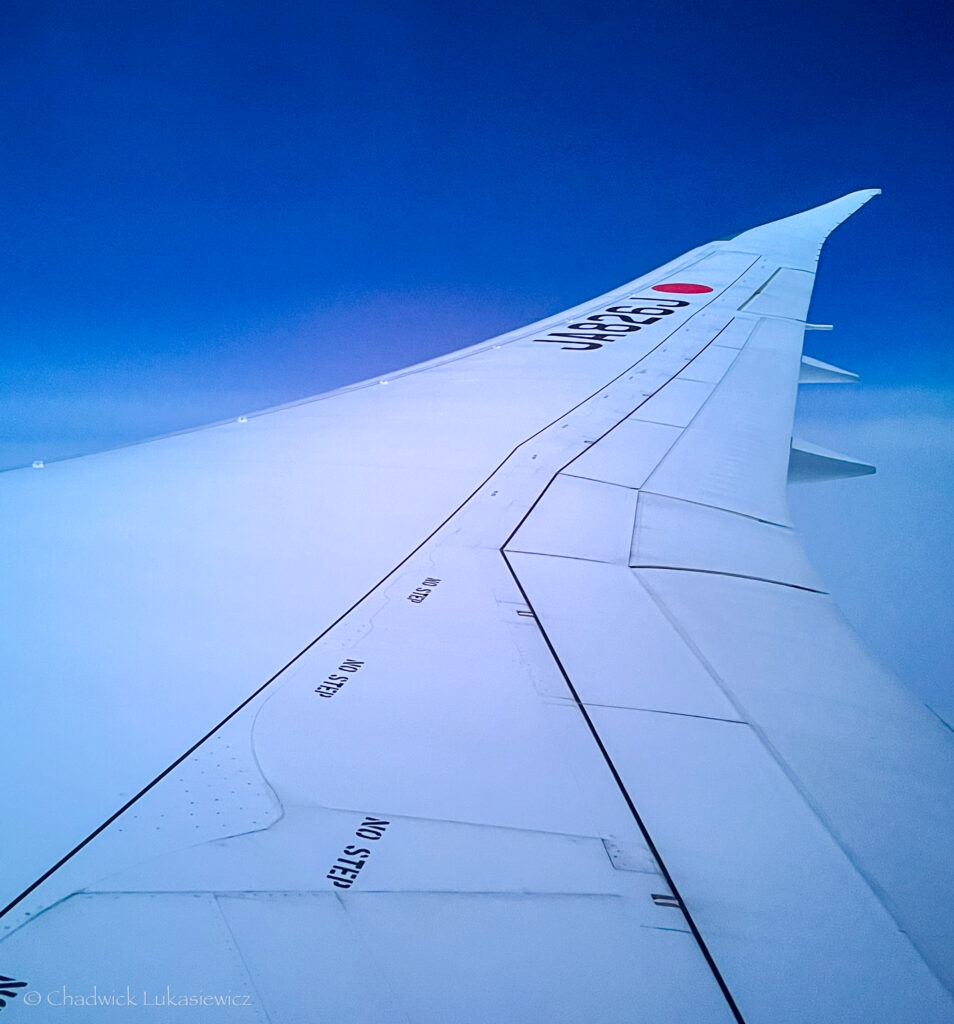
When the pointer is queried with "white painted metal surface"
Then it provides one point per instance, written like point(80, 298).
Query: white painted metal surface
point(502, 692)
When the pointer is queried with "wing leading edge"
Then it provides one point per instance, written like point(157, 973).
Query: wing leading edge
point(567, 725)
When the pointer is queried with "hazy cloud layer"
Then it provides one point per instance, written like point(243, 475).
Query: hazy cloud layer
point(885, 543)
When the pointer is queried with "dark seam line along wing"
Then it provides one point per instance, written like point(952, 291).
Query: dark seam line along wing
point(678, 900)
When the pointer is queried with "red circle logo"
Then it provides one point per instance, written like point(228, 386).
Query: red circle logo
point(682, 289)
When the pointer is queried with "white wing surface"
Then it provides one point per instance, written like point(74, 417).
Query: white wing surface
point(498, 689)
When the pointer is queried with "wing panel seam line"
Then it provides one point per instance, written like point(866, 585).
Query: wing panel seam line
point(733, 575)
point(697, 935)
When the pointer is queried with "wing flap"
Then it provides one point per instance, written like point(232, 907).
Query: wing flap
point(675, 534)
point(734, 454)
point(580, 518)
point(796, 932)
point(873, 763)
point(588, 610)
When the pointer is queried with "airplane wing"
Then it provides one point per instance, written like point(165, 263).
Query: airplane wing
point(495, 689)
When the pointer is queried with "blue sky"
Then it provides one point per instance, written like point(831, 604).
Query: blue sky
point(219, 207)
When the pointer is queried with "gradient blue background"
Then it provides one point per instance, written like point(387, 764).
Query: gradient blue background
point(213, 208)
